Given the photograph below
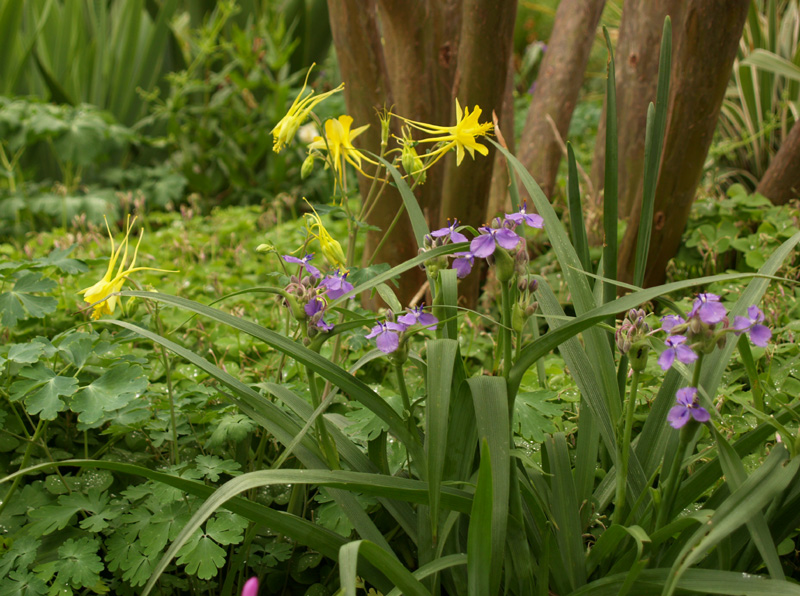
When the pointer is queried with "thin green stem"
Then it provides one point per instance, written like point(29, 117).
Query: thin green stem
point(388, 233)
point(540, 372)
point(681, 453)
point(505, 330)
point(176, 458)
point(624, 450)
point(26, 457)
point(325, 440)
point(401, 386)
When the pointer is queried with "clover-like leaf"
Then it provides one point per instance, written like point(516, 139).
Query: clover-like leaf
point(202, 556)
point(78, 562)
point(43, 391)
point(212, 466)
point(28, 353)
point(20, 302)
point(58, 258)
point(231, 427)
point(21, 554)
point(23, 583)
point(113, 390)
point(534, 415)
point(226, 527)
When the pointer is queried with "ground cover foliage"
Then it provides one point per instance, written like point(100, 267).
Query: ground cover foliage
point(241, 415)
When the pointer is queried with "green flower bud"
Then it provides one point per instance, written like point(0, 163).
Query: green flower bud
point(637, 355)
point(307, 167)
point(505, 265)
point(518, 317)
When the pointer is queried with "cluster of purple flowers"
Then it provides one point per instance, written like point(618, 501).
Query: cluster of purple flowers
point(387, 334)
point(706, 326)
point(313, 291)
point(699, 331)
point(501, 232)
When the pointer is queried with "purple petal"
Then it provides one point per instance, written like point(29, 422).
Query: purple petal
point(534, 220)
point(506, 238)
point(685, 354)
point(291, 259)
point(441, 232)
point(388, 342)
point(755, 314)
point(686, 396)
point(375, 331)
point(408, 319)
point(250, 587)
point(741, 324)
point(517, 218)
point(678, 416)
point(483, 246)
point(700, 414)
point(760, 335)
point(462, 267)
point(396, 326)
point(675, 340)
point(314, 306)
point(667, 358)
point(670, 321)
point(428, 320)
point(321, 324)
point(457, 237)
point(313, 271)
point(712, 313)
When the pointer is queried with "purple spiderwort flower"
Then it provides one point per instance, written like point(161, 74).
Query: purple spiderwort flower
point(250, 587)
point(463, 264)
point(336, 285)
point(450, 231)
point(708, 307)
point(315, 309)
point(686, 408)
point(534, 220)
point(485, 244)
point(751, 324)
point(312, 271)
point(676, 349)
point(670, 321)
point(387, 336)
point(416, 316)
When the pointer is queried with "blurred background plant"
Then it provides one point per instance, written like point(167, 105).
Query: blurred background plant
point(761, 105)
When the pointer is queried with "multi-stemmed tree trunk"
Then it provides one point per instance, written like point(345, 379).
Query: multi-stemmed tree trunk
point(706, 46)
point(417, 56)
point(781, 181)
point(557, 87)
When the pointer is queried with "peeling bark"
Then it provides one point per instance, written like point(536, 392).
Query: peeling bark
point(557, 86)
point(702, 62)
point(781, 182)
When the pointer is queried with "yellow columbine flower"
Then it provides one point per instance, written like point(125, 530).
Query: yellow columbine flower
point(331, 249)
point(338, 143)
point(461, 136)
point(112, 283)
point(286, 129)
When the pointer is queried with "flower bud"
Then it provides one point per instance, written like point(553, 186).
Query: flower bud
point(412, 164)
point(532, 308)
point(533, 285)
point(522, 284)
point(637, 355)
point(505, 265)
point(307, 167)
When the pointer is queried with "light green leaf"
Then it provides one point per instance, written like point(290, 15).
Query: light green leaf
point(202, 557)
point(212, 466)
point(43, 390)
point(28, 353)
point(20, 303)
point(113, 390)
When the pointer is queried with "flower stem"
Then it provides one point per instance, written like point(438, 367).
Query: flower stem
point(505, 330)
point(540, 372)
point(681, 453)
point(325, 440)
point(176, 458)
point(624, 450)
point(26, 457)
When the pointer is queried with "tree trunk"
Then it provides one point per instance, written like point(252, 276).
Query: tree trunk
point(498, 193)
point(781, 182)
point(368, 88)
point(557, 86)
point(637, 78)
point(484, 50)
point(707, 44)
